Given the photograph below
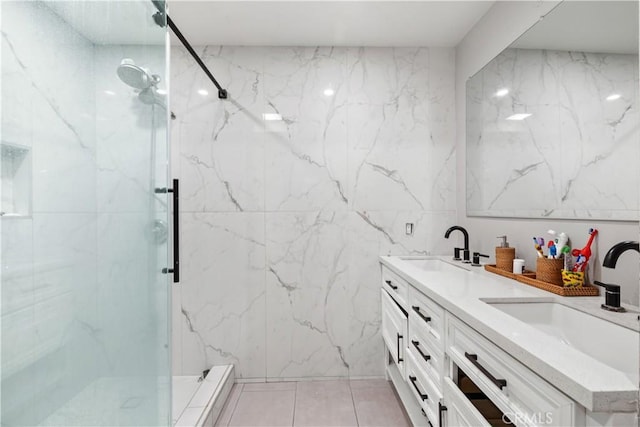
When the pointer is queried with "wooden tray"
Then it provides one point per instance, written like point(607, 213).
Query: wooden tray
point(493, 269)
point(582, 291)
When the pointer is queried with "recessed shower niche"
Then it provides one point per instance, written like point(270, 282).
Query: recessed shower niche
point(16, 180)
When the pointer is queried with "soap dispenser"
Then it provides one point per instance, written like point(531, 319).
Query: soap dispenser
point(505, 255)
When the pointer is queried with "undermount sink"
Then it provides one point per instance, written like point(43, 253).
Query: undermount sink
point(611, 344)
point(433, 264)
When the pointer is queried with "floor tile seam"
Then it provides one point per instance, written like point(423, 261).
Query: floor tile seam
point(353, 404)
point(235, 406)
point(295, 399)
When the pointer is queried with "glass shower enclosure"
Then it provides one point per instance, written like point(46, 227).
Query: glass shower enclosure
point(84, 320)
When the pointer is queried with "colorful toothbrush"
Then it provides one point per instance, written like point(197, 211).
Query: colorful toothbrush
point(552, 249)
point(538, 248)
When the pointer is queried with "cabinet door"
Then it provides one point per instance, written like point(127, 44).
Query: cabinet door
point(394, 330)
point(460, 412)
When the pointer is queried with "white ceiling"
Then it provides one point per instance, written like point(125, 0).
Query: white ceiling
point(586, 26)
point(279, 23)
point(326, 23)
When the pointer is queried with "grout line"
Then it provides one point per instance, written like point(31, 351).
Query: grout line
point(295, 398)
point(235, 406)
point(353, 403)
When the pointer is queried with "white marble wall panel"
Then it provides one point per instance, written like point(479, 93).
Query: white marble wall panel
point(388, 131)
point(223, 292)
point(125, 134)
point(333, 186)
point(372, 234)
point(307, 284)
point(49, 116)
point(306, 156)
point(568, 157)
point(221, 143)
point(48, 96)
point(399, 110)
point(125, 301)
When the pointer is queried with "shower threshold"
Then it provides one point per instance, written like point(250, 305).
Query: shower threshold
point(198, 402)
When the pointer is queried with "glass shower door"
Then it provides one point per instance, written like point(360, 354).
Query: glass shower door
point(84, 317)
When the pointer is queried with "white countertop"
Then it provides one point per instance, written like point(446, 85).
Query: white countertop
point(463, 293)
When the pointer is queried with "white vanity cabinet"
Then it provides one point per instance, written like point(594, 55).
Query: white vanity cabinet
point(394, 317)
point(426, 354)
point(438, 357)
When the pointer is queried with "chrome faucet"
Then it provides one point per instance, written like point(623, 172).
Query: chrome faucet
point(456, 251)
point(612, 292)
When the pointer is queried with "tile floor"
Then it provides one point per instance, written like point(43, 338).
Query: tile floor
point(314, 404)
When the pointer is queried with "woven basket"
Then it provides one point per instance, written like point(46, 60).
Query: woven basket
point(504, 258)
point(550, 270)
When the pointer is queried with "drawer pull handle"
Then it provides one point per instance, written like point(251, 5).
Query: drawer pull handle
point(422, 316)
point(422, 395)
point(391, 285)
point(398, 338)
point(416, 344)
point(441, 409)
point(473, 358)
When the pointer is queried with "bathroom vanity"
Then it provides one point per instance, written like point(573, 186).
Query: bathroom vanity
point(464, 347)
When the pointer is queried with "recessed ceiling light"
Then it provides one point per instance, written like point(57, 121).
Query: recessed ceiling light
point(613, 97)
point(329, 92)
point(520, 116)
point(502, 92)
point(109, 92)
point(271, 117)
point(203, 92)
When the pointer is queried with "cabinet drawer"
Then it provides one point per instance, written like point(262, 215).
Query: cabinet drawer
point(429, 316)
point(394, 329)
point(512, 387)
point(428, 358)
point(460, 412)
point(426, 393)
point(397, 287)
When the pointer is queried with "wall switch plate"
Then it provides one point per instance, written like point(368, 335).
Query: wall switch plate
point(408, 228)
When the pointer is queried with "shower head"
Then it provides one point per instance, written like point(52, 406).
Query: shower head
point(135, 76)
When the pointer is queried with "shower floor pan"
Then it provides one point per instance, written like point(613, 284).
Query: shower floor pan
point(123, 401)
point(199, 403)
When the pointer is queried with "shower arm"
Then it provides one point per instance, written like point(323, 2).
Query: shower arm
point(158, 17)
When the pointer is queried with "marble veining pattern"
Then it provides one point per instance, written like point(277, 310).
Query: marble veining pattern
point(284, 219)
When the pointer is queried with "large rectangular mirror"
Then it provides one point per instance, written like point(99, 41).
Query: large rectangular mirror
point(553, 127)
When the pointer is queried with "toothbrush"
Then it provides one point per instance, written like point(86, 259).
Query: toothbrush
point(552, 249)
point(566, 250)
point(560, 239)
point(538, 248)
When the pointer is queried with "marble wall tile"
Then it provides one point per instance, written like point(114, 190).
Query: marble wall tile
point(341, 175)
point(221, 143)
point(306, 152)
point(128, 131)
point(125, 274)
point(307, 282)
point(372, 234)
point(223, 292)
point(441, 113)
point(51, 114)
point(399, 140)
